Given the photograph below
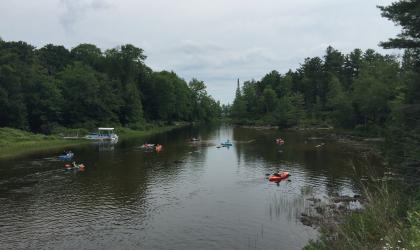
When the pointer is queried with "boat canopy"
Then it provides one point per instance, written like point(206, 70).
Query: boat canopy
point(106, 129)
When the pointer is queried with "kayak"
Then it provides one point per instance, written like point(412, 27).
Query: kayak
point(80, 167)
point(279, 177)
point(279, 141)
point(66, 157)
point(226, 143)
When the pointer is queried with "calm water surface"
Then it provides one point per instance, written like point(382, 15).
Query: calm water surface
point(189, 196)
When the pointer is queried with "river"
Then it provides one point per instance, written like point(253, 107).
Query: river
point(191, 195)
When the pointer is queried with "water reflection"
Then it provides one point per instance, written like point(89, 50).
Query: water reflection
point(106, 145)
point(191, 195)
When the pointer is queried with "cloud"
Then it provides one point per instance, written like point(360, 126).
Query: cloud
point(216, 41)
point(76, 10)
point(193, 55)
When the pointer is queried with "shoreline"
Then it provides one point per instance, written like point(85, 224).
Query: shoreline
point(23, 143)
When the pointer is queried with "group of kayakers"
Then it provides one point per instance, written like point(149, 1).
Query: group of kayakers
point(280, 175)
point(148, 146)
point(67, 156)
point(75, 166)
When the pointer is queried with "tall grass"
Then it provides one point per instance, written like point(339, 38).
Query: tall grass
point(390, 219)
point(14, 142)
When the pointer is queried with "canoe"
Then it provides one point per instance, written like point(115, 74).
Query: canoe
point(281, 176)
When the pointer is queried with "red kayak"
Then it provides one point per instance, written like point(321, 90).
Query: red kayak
point(279, 176)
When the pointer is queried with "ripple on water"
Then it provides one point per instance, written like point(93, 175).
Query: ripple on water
point(186, 197)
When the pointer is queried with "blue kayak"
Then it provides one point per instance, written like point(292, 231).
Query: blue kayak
point(66, 157)
point(228, 143)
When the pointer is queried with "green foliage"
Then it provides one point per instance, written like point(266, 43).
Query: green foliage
point(404, 126)
point(41, 89)
point(89, 54)
point(239, 107)
point(53, 58)
point(44, 101)
point(414, 230)
point(205, 108)
point(86, 98)
point(405, 13)
point(353, 91)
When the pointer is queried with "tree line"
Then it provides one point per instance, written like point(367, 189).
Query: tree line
point(49, 87)
point(357, 90)
point(363, 91)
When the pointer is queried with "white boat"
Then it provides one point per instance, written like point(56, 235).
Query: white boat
point(103, 134)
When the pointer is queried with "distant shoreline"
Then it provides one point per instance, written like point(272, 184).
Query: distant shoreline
point(17, 142)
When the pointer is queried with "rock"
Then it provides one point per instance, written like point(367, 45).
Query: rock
point(344, 198)
point(314, 199)
point(309, 221)
point(320, 210)
point(306, 221)
point(341, 207)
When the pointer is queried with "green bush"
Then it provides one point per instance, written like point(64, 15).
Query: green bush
point(381, 224)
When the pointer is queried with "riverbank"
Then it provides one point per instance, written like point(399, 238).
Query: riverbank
point(125, 133)
point(384, 216)
point(15, 142)
point(389, 219)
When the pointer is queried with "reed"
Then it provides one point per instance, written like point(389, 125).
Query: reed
point(390, 219)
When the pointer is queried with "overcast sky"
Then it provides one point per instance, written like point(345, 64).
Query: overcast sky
point(216, 41)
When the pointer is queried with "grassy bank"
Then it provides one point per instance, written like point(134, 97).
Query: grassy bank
point(124, 133)
point(15, 142)
point(390, 219)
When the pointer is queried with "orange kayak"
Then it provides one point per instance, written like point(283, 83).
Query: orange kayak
point(278, 177)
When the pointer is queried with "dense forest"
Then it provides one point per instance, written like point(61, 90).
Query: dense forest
point(363, 91)
point(42, 89)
